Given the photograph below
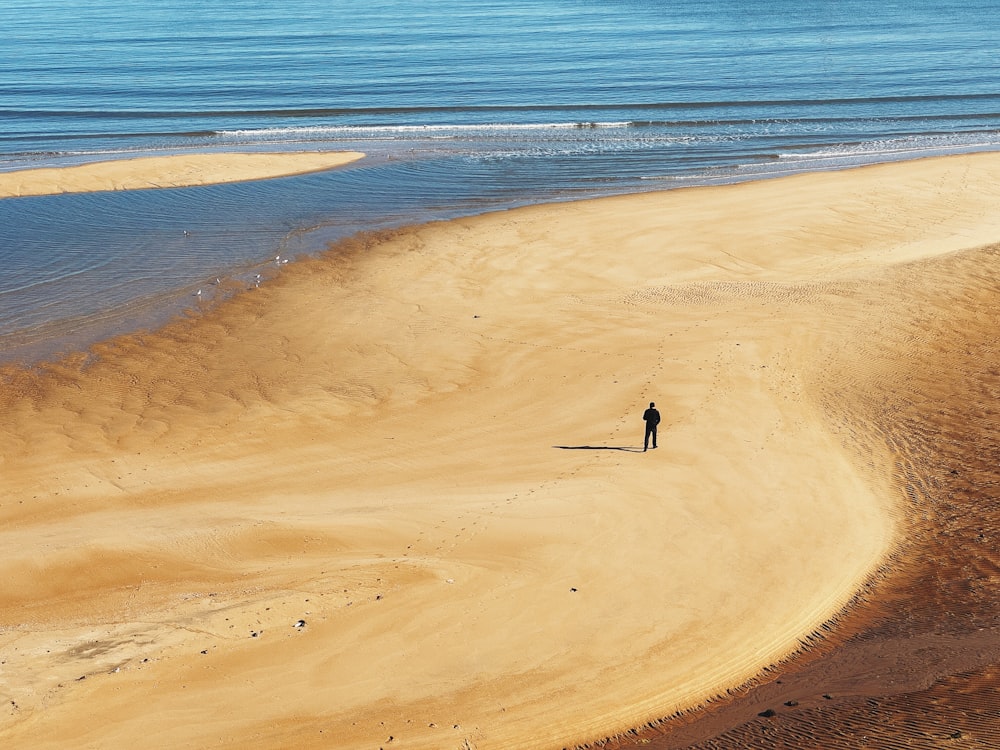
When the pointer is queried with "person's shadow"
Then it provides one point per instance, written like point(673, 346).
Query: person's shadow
point(627, 449)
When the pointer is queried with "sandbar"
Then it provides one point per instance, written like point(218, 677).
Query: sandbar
point(177, 170)
point(397, 496)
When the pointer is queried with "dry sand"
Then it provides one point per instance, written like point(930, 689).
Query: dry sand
point(168, 172)
point(426, 446)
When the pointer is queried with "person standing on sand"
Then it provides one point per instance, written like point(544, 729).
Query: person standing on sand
point(652, 418)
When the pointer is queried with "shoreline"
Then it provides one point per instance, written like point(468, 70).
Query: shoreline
point(174, 171)
point(440, 356)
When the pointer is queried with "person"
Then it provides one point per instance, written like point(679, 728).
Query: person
point(652, 418)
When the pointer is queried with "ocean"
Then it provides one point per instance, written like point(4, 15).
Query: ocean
point(463, 107)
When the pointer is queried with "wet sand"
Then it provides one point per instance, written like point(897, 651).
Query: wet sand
point(397, 497)
point(184, 170)
point(915, 661)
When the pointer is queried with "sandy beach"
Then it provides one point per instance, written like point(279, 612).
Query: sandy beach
point(397, 498)
point(182, 170)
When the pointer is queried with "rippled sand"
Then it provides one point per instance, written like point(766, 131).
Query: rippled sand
point(397, 498)
point(915, 661)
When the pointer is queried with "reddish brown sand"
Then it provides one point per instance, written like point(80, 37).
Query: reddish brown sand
point(915, 662)
point(423, 447)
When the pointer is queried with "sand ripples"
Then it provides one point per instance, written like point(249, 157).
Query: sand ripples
point(915, 661)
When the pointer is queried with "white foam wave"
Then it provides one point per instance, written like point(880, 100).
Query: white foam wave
point(355, 131)
point(873, 150)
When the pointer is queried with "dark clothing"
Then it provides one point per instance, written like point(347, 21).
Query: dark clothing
point(652, 418)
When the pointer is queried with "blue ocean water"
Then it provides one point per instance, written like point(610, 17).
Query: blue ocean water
point(462, 106)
